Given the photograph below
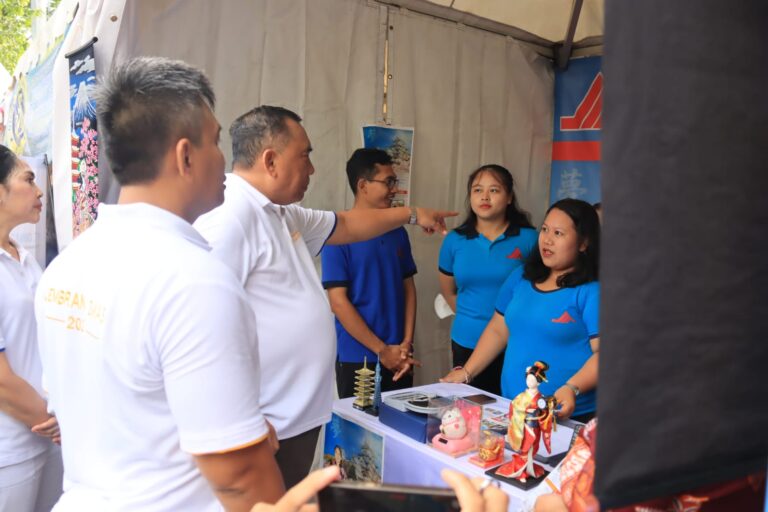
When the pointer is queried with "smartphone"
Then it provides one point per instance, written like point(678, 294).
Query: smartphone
point(367, 497)
point(480, 399)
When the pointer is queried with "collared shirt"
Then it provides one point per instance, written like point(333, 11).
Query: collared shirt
point(553, 326)
point(270, 249)
point(372, 272)
point(18, 341)
point(479, 267)
point(149, 355)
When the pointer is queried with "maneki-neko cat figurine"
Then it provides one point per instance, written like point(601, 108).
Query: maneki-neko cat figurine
point(490, 450)
point(531, 418)
point(458, 429)
point(453, 424)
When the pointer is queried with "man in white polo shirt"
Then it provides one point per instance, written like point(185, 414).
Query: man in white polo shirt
point(269, 243)
point(147, 341)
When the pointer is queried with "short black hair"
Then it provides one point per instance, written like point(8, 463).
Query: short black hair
point(8, 162)
point(253, 131)
point(515, 216)
point(587, 224)
point(144, 106)
point(362, 165)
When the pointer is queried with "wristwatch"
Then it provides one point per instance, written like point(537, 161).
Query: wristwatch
point(574, 388)
point(412, 218)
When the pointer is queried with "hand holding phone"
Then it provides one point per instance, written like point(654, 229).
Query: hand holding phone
point(469, 496)
point(365, 497)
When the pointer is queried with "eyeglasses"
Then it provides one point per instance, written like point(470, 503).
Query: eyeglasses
point(390, 182)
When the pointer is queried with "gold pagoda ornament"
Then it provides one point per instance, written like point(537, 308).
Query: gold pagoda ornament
point(364, 387)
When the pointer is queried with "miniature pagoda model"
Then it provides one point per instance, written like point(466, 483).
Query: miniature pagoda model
point(364, 387)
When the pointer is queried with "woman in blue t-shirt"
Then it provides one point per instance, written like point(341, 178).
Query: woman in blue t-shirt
point(476, 258)
point(548, 311)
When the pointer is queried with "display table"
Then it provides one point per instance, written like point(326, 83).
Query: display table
point(408, 462)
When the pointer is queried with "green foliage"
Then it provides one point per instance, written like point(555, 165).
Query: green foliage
point(52, 5)
point(15, 25)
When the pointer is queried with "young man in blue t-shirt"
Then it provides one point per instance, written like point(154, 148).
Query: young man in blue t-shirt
point(370, 285)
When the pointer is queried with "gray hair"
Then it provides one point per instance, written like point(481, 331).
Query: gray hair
point(145, 106)
point(255, 130)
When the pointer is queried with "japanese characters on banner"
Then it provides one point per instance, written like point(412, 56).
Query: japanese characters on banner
point(398, 143)
point(84, 137)
point(577, 133)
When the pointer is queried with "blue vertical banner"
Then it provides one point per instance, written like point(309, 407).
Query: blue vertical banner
point(84, 138)
point(577, 133)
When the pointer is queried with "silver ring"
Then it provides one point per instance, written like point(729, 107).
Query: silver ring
point(486, 484)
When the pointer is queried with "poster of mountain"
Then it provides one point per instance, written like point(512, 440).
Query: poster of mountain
point(358, 452)
point(398, 143)
point(84, 135)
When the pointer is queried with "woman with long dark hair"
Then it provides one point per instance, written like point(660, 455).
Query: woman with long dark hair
point(30, 466)
point(548, 311)
point(495, 238)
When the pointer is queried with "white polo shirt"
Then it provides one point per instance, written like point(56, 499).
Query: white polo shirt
point(270, 248)
point(149, 353)
point(18, 341)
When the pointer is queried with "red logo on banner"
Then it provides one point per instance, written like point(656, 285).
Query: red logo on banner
point(517, 254)
point(589, 112)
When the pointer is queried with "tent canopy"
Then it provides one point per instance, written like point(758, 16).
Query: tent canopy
point(548, 25)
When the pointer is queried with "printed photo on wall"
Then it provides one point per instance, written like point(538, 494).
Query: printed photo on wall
point(398, 143)
point(84, 138)
point(358, 452)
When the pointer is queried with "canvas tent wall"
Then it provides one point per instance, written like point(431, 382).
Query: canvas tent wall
point(473, 96)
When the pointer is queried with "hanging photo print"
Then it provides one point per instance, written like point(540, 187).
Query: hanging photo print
point(84, 137)
point(398, 143)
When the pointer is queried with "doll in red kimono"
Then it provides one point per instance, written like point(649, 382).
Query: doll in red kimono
point(531, 417)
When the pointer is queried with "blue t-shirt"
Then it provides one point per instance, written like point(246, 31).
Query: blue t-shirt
point(373, 272)
point(479, 268)
point(554, 327)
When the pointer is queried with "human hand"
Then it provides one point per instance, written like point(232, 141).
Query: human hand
point(456, 376)
point(274, 443)
point(392, 357)
point(49, 428)
point(475, 495)
point(566, 398)
point(433, 220)
point(406, 367)
point(550, 503)
point(295, 500)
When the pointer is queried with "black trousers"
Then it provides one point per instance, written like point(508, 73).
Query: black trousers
point(489, 379)
point(345, 379)
point(295, 456)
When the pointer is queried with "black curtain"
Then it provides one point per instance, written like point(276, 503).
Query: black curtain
point(683, 393)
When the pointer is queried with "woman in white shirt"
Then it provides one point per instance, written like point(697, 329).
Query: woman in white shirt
point(30, 464)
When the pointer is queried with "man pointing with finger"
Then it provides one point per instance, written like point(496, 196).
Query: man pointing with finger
point(269, 242)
